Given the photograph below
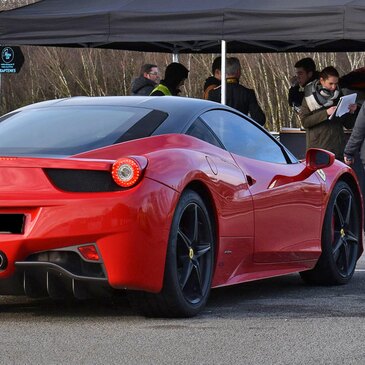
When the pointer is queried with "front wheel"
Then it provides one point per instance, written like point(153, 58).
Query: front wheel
point(340, 239)
point(189, 263)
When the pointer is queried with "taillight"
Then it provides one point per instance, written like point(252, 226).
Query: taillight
point(126, 172)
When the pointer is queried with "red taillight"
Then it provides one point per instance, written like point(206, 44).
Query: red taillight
point(126, 172)
point(89, 252)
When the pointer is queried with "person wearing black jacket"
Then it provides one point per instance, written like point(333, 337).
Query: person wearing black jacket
point(148, 79)
point(215, 80)
point(355, 148)
point(238, 96)
point(356, 142)
point(305, 72)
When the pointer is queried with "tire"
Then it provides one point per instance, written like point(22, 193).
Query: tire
point(189, 263)
point(340, 240)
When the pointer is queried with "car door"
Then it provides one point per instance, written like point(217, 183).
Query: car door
point(287, 218)
point(233, 202)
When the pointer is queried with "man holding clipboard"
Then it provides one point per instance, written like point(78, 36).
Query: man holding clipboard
point(323, 120)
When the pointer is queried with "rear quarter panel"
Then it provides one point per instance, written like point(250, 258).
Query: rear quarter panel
point(180, 161)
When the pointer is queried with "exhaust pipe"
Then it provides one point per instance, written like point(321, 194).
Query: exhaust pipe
point(3, 261)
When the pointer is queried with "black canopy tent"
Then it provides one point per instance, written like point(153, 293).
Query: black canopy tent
point(207, 26)
point(189, 26)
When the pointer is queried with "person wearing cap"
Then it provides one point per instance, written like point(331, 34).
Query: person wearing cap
point(175, 76)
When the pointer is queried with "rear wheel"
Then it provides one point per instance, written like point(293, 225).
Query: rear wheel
point(189, 263)
point(340, 240)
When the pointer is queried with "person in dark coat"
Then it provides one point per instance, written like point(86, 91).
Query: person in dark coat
point(148, 79)
point(356, 141)
point(215, 80)
point(355, 148)
point(175, 76)
point(238, 96)
point(305, 72)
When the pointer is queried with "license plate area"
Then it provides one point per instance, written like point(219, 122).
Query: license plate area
point(12, 223)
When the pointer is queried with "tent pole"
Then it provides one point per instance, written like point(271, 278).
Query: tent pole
point(223, 72)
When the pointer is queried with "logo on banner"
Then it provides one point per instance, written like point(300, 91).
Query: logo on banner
point(11, 59)
point(7, 55)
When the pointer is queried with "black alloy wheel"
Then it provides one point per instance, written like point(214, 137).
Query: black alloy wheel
point(345, 232)
point(194, 260)
point(340, 239)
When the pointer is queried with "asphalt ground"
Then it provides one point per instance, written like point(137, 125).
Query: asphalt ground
point(274, 321)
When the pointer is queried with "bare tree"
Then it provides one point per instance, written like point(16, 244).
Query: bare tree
point(56, 72)
point(11, 4)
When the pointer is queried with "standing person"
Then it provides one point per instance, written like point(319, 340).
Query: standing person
point(238, 96)
point(356, 141)
point(305, 72)
point(355, 147)
point(175, 76)
point(149, 77)
point(213, 81)
point(319, 103)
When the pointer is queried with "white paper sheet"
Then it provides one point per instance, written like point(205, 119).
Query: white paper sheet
point(343, 105)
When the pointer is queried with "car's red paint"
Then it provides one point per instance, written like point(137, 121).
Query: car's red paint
point(261, 231)
point(114, 221)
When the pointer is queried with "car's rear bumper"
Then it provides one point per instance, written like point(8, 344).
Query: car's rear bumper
point(129, 228)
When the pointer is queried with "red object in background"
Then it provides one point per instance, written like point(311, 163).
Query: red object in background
point(354, 80)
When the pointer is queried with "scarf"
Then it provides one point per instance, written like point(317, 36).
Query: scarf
point(318, 97)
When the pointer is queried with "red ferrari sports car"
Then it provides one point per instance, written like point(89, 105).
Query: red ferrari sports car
point(164, 198)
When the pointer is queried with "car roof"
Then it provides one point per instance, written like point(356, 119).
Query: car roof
point(188, 106)
point(180, 110)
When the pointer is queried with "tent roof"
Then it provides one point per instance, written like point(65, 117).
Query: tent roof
point(189, 25)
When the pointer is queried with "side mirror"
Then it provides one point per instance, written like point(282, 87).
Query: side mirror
point(316, 159)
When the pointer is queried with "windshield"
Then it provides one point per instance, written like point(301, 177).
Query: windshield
point(67, 130)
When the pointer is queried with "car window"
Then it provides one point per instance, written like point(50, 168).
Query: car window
point(73, 129)
point(242, 137)
point(199, 130)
